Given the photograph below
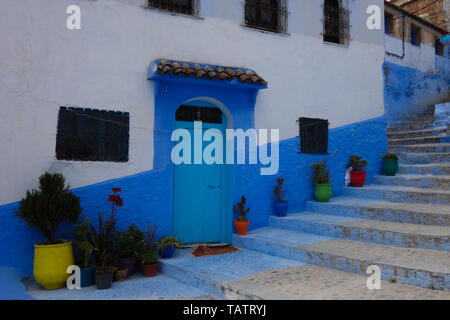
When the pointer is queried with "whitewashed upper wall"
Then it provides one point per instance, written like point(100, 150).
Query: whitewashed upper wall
point(43, 66)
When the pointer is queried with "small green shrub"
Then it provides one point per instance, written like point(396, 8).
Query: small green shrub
point(168, 242)
point(46, 208)
point(357, 163)
point(129, 241)
point(390, 156)
point(83, 241)
point(321, 173)
point(240, 211)
point(148, 252)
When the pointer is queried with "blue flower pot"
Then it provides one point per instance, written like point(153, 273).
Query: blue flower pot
point(281, 209)
point(168, 252)
point(87, 276)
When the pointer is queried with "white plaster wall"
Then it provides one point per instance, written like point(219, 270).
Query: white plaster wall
point(419, 57)
point(43, 66)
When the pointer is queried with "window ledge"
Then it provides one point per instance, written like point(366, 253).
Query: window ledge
point(195, 17)
point(336, 44)
point(283, 34)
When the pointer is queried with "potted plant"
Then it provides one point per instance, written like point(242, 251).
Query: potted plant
point(121, 272)
point(45, 209)
point(357, 175)
point(322, 178)
point(84, 248)
point(390, 164)
point(148, 256)
point(104, 243)
point(241, 223)
point(281, 206)
point(127, 245)
point(167, 246)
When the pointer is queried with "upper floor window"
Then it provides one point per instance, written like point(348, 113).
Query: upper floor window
point(438, 47)
point(92, 135)
point(388, 23)
point(415, 35)
point(190, 7)
point(270, 15)
point(336, 22)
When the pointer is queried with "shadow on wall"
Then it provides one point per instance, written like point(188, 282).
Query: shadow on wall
point(409, 93)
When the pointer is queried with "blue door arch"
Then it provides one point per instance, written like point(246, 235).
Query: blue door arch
point(235, 98)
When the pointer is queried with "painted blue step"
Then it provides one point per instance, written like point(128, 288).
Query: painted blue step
point(424, 158)
point(415, 140)
point(431, 214)
point(419, 267)
point(415, 180)
point(371, 231)
point(442, 168)
point(212, 273)
point(417, 133)
point(431, 147)
point(399, 194)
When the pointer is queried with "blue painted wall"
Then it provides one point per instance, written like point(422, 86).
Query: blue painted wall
point(148, 196)
point(407, 91)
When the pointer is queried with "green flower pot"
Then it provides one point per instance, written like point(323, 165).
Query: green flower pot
point(323, 192)
point(390, 167)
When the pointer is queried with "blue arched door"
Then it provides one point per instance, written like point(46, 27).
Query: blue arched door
point(198, 188)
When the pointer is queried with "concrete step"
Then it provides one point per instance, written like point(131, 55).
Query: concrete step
point(411, 141)
point(419, 267)
point(429, 214)
point(212, 274)
point(438, 131)
point(399, 194)
point(371, 231)
point(423, 158)
point(409, 126)
point(418, 148)
point(442, 168)
point(415, 180)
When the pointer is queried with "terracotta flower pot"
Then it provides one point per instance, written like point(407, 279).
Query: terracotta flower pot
point(121, 275)
point(358, 178)
point(241, 227)
point(149, 270)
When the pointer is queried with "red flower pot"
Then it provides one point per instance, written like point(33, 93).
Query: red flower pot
point(149, 270)
point(241, 227)
point(358, 178)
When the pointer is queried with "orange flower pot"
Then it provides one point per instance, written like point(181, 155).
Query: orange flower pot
point(241, 227)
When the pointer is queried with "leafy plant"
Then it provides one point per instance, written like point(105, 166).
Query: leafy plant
point(129, 241)
point(83, 241)
point(321, 173)
point(279, 191)
point(103, 241)
point(168, 242)
point(240, 210)
point(356, 163)
point(148, 253)
point(391, 156)
point(46, 208)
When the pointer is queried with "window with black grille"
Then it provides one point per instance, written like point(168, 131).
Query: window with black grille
point(270, 15)
point(313, 135)
point(92, 135)
point(336, 22)
point(193, 113)
point(190, 7)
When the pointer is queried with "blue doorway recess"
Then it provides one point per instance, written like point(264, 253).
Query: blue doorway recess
point(198, 199)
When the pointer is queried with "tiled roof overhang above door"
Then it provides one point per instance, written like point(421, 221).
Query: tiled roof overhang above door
point(169, 69)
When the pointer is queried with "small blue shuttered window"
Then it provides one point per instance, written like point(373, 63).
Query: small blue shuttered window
point(92, 135)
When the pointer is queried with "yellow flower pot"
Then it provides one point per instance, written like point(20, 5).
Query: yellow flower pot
point(50, 264)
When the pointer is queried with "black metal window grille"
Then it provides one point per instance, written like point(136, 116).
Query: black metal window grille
point(193, 113)
point(336, 22)
point(92, 135)
point(313, 135)
point(189, 7)
point(269, 15)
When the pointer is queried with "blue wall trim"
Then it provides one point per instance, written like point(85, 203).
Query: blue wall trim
point(148, 195)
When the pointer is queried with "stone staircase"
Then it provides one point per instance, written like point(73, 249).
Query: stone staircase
point(401, 223)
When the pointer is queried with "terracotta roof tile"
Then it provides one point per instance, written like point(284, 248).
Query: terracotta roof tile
point(221, 73)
